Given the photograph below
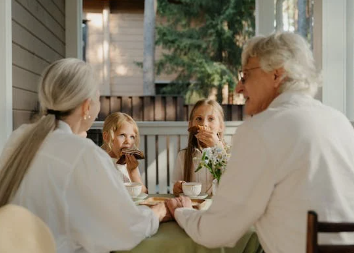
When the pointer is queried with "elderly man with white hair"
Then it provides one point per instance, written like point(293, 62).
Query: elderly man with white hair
point(293, 155)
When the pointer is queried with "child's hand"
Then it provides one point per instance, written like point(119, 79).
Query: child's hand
point(132, 163)
point(207, 138)
point(177, 188)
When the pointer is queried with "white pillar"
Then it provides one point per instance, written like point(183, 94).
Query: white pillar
point(333, 28)
point(149, 48)
point(264, 17)
point(73, 28)
point(350, 60)
point(5, 72)
point(106, 88)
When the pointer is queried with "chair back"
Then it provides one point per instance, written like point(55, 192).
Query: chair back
point(314, 227)
point(22, 231)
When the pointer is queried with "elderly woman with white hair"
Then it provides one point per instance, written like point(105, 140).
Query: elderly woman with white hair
point(66, 180)
point(293, 155)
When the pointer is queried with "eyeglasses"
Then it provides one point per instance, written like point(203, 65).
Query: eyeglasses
point(241, 75)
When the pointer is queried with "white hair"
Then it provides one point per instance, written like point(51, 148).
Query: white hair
point(288, 51)
point(65, 85)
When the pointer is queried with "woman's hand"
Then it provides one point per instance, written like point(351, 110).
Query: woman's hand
point(207, 138)
point(177, 188)
point(178, 202)
point(162, 212)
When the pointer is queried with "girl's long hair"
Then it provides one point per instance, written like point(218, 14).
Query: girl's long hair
point(65, 85)
point(192, 140)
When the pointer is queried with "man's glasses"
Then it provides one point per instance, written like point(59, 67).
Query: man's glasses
point(241, 74)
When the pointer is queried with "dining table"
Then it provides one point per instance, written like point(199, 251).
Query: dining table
point(170, 237)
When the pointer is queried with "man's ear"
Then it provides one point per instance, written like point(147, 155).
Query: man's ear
point(278, 77)
point(85, 107)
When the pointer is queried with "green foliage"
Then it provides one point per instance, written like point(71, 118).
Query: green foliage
point(204, 41)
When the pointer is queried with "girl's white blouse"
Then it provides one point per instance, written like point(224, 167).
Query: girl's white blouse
point(73, 187)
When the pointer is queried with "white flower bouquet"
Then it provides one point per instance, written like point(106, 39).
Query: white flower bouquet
point(215, 160)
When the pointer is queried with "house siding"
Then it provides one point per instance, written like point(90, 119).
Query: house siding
point(38, 39)
point(126, 45)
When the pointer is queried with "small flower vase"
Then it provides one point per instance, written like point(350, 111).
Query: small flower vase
point(215, 185)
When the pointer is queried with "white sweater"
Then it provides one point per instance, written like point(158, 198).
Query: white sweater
point(297, 155)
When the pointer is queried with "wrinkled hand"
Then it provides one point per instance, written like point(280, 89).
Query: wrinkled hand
point(162, 212)
point(132, 163)
point(207, 138)
point(177, 188)
point(174, 203)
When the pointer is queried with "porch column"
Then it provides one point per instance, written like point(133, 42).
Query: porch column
point(5, 72)
point(149, 47)
point(73, 28)
point(333, 47)
point(106, 85)
point(264, 17)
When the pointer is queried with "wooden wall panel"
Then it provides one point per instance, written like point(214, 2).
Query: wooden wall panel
point(36, 9)
point(25, 39)
point(24, 100)
point(25, 79)
point(38, 35)
point(21, 117)
point(31, 23)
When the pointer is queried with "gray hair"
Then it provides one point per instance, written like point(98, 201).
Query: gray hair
point(289, 51)
point(65, 84)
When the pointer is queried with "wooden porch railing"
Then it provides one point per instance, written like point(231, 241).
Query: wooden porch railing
point(161, 141)
point(158, 108)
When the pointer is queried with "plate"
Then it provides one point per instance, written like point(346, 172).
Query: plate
point(200, 196)
point(141, 196)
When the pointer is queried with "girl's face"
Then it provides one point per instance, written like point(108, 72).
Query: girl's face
point(124, 137)
point(205, 115)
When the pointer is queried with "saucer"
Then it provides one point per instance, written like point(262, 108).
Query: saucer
point(141, 196)
point(200, 196)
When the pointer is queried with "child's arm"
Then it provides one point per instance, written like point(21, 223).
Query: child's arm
point(134, 174)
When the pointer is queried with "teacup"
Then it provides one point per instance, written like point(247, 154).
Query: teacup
point(133, 188)
point(191, 188)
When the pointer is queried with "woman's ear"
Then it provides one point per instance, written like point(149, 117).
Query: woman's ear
point(85, 108)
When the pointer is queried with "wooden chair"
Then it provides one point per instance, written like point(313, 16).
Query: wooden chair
point(314, 227)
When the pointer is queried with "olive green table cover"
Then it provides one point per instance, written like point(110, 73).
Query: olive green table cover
point(171, 238)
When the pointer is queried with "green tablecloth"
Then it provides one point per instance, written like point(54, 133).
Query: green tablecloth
point(171, 238)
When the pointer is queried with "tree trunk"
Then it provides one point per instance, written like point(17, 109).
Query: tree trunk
point(149, 48)
point(302, 18)
point(279, 15)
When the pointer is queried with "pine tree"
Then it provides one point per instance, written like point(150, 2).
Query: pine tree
point(204, 40)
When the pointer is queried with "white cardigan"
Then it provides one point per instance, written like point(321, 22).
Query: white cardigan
point(297, 155)
point(74, 188)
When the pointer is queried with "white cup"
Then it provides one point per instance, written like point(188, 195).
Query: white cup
point(133, 188)
point(191, 188)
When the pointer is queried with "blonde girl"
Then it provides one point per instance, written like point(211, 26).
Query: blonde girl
point(66, 180)
point(209, 114)
point(121, 131)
